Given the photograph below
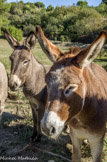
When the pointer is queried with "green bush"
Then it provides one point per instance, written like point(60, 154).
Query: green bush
point(62, 38)
point(105, 67)
point(79, 22)
point(17, 33)
point(28, 28)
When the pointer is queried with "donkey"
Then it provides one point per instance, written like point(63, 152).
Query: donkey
point(3, 88)
point(27, 71)
point(77, 95)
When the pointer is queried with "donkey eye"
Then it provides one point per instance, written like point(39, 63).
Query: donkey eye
point(70, 89)
point(25, 62)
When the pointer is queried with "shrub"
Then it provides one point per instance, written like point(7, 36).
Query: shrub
point(105, 67)
point(28, 28)
point(17, 33)
point(62, 38)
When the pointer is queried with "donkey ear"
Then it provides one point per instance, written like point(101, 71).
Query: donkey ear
point(87, 55)
point(11, 40)
point(30, 41)
point(48, 47)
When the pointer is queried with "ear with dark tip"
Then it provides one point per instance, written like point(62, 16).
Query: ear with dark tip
point(47, 46)
point(87, 55)
point(30, 41)
point(11, 40)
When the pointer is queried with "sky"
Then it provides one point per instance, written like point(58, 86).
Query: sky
point(60, 2)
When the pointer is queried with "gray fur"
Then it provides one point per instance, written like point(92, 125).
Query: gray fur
point(3, 88)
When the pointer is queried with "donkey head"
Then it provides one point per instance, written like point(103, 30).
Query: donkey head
point(20, 59)
point(65, 82)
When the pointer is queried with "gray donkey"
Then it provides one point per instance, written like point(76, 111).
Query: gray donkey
point(27, 71)
point(3, 88)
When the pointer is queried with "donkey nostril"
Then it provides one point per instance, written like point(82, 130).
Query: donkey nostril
point(15, 84)
point(52, 130)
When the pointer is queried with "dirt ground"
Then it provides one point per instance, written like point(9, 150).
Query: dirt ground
point(15, 136)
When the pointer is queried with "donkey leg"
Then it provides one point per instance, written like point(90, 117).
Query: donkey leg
point(2, 105)
point(0, 111)
point(41, 110)
point(96, 149)
point(38, 128)
point(36, 135)
point(76, 142)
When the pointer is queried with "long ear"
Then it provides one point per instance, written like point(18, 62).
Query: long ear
point(30, 41)
point(11, 40)
point(48, 47)
point(86, 56)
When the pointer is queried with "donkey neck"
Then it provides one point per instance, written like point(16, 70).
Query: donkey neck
point(95, 99)
point(96, 77)
point(35, 81)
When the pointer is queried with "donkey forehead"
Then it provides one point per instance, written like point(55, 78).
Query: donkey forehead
point(54, 75)
point(64, 75)
point(20, 52)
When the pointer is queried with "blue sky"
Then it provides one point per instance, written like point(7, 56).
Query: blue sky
point(60, 2)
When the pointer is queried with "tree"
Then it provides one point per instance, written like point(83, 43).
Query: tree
point(60, 11)
point(16, 8)
point(60, 23)
point(102, 9)
point(39, 5)
point(4, 6)
point(82, 3)
point(17, 33)
point(50, 8)
point(104, 1)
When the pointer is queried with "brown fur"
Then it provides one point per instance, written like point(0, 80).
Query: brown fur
point(84, 109)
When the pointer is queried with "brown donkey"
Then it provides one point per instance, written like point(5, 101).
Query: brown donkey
point(77, 95)
point(27, 71)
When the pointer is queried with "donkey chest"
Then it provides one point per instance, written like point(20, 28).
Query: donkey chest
point(81, 131)
point(31, 99)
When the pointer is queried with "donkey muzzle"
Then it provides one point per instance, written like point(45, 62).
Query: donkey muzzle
point(51, 124)
point(14, 82)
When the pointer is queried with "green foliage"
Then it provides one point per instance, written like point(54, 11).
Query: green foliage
point(4, 22)
point(59, 12)
point(50, 8)
point(61, 23)
point(104, 1)
point(102, 9)
point(17, 33)
point(82, 3)
point(28, 28)
point(62, 38)
point(4, 6)
point(39, 5)
point(15, 7)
